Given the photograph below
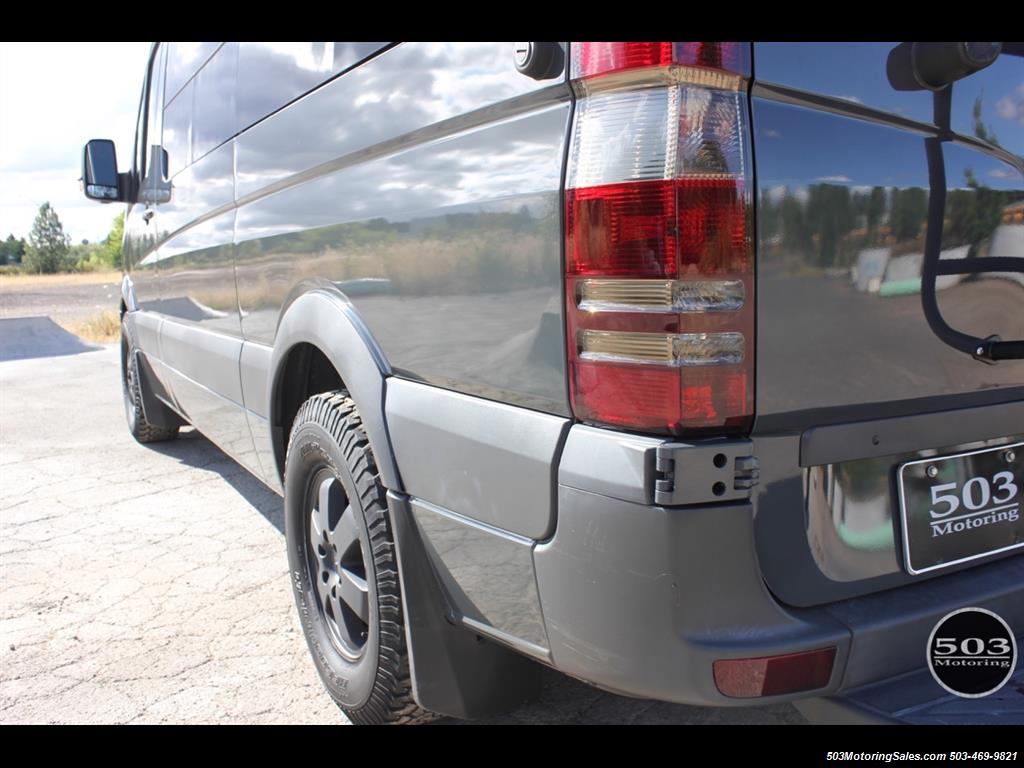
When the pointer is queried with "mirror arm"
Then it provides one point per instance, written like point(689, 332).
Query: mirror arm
point(127, 191)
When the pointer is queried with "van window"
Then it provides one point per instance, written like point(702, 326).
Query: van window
point(183, 61)
point(140, 132)
point(177, 124)
point(154, 119)
point(271, 75)
point(213, 110)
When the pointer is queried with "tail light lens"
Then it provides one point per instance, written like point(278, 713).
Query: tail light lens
point(596, 59)
point(659, 256)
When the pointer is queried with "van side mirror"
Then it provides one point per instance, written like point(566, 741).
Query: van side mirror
point(156, 187)
point(100, 179)
point(934, 66)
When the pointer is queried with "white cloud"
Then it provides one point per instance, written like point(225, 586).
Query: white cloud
point(1003, 173)
point(777, 193)
point(840, 179)
point(57, 96)
point(1011, 107)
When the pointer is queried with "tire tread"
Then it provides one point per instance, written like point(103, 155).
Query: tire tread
point(391, 700)
point(143, 431)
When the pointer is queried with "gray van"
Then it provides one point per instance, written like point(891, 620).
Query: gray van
point(691, 370)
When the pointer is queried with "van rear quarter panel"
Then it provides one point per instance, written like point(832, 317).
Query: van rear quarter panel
point(425, 185)
point(842, 195)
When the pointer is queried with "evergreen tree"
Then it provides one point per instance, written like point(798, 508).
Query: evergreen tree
point(12, 250)
point(982, 131)
point(47, 244)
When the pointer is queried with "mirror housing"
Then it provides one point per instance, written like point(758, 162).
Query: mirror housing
point(934, 66)
point(100, 179)
point(156, 187)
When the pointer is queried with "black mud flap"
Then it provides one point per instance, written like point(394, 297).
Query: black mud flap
point(454, 671)
point(155, 398)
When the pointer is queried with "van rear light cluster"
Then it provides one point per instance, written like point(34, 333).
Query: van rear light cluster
point(659, 257)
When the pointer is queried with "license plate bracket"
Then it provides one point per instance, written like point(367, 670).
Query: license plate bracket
point(961, 507)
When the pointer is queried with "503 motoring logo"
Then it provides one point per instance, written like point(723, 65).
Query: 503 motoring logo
point(961, 507)
point(979, 501)
point(972, 652)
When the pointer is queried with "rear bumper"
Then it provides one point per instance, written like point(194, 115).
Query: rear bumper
point(642, 600)
point(916, 699)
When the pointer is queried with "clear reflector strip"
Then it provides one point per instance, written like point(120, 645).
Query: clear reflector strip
point(660, 295)
point(667, 349)
point(624, 136)
point(657, 134)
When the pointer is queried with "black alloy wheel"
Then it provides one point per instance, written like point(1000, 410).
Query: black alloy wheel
point(344, 565)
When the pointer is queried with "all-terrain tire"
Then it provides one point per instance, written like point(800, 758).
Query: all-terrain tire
point(339, 538)
point(131, 389)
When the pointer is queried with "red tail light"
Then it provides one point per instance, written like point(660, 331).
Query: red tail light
point(657, 228)
point(595, 59)
point(659, 254)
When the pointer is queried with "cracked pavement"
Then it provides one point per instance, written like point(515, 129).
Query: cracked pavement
point(149, 584)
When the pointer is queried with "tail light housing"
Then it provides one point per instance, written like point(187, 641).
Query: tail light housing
point(659, 239)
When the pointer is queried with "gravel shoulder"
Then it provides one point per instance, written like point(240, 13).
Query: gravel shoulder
point(67, 299)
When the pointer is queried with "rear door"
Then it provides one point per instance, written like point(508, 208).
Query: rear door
point(846, 358)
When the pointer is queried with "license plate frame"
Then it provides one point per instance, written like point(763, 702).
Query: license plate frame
point(939, 532)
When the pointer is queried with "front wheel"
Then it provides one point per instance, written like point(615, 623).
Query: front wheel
point(344, 571)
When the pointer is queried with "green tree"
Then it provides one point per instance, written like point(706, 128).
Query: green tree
point(909, 212)
point(795, 231)
point(114, 242)
point(47, 244)
point(830, 216)
point(874, 213)
point(980, 129)
point(972, 214)
point(104, 255)
point(12, 250)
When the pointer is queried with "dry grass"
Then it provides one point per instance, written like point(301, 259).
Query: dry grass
point(103, 328)
point(14, 282)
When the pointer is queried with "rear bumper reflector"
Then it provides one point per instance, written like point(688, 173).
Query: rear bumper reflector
point(774, 675)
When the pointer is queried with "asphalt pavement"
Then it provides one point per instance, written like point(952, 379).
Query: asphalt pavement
point(149, 584)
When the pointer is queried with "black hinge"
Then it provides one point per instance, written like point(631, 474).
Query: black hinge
point(664, 474)
point(748, 472)
point(704, 473)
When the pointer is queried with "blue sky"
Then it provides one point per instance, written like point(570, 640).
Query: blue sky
point(857, 72)
point(53, 98)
